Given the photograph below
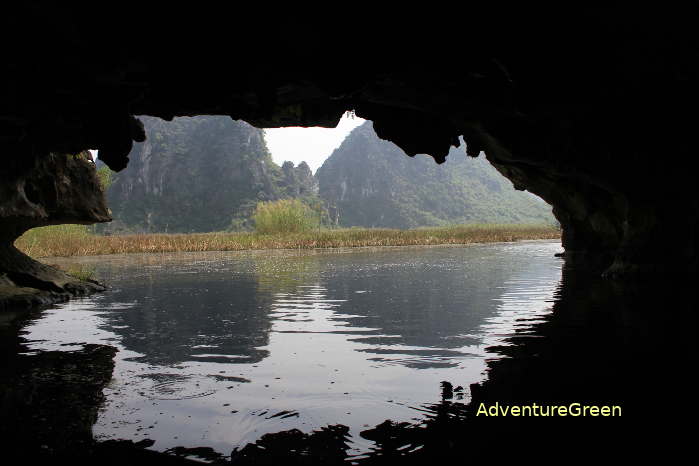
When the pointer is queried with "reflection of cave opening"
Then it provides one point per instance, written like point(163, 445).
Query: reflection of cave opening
point(216, 349)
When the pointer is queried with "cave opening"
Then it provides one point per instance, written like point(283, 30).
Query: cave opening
point(346, 174)
point(592, 111)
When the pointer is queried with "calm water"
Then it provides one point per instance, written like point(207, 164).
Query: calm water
point(217, 349)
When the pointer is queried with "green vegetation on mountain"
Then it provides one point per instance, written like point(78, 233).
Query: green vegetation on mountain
point(200, 174)
point(370, 182)
point(209, 173)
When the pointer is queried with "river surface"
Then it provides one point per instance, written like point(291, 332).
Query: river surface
point(217, 349)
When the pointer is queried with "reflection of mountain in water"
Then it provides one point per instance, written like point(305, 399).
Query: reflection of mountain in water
point(607, 343)
point(194, 316)
point(228, 347)
point(415, 308)
point(417, 300)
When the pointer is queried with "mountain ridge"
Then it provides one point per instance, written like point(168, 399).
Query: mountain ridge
point(370, 182)
point(158, 191)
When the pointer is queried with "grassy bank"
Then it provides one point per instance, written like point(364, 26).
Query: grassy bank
point(77, 241)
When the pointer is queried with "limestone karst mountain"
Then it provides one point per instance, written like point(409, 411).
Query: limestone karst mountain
point(366, 182)
point(370, 182)
point(200, 174)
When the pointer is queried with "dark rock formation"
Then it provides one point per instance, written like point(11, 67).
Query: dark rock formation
point(327, 445)
point(370, 182)
point(50, 404)
point(58, 188)
point(49, 400)
point(578, 108)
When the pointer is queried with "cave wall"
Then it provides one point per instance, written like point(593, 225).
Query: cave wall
point(54, 189)
point(591, 109)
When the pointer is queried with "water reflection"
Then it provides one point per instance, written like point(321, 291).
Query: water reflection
point(628, 344)
point(176, 316)
point(218, 349)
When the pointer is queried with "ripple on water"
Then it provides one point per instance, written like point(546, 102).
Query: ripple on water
point(176, 387)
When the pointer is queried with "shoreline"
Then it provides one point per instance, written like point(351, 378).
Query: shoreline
point(89, 260)
point(63, 246)
point(66, 251)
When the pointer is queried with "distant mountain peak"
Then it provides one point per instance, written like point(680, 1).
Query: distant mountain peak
point(371, 182)
point(197, 174)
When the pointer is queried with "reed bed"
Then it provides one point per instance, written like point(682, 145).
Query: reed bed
point(53, 241)
point(283, 216)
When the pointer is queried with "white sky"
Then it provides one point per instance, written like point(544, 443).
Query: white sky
point(312, 145)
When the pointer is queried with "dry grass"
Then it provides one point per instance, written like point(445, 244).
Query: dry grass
point(79, 243)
